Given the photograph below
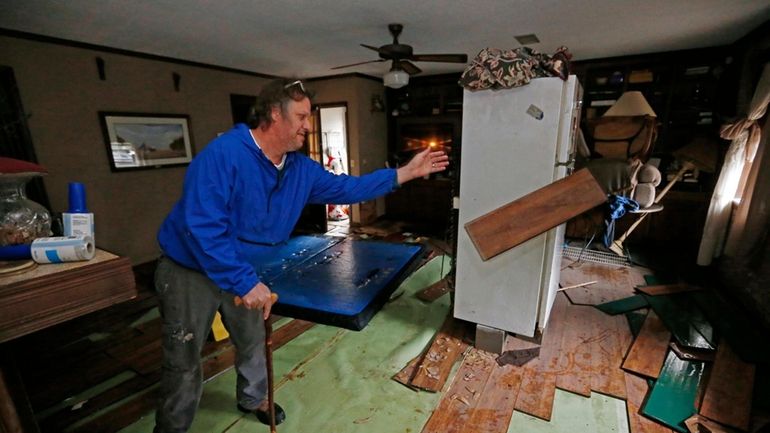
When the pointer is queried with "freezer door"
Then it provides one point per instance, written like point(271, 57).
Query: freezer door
point(510, 139)
point(565, 154)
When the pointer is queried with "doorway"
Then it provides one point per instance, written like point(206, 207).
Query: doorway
point(327, 144)
point(333, 134)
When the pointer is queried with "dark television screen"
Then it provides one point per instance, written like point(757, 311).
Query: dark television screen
point(415, 137)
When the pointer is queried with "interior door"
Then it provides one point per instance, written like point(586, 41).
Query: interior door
point(313, 217)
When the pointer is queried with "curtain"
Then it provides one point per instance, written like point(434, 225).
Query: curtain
point(750, 220)
point(745, 136)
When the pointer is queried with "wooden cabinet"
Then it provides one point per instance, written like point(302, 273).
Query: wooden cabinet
point(426, 96)
point(427, 112)
point(692, 92)
point(45, 296)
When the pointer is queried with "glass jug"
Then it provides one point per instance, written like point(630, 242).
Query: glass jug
point(21, 219)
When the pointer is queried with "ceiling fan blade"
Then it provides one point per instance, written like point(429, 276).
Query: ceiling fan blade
point(448, 58)
point(359, 63)
point(409, 67)
point(371, 47)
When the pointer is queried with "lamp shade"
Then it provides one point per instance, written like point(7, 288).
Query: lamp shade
point(395, 78)
point(631, 104)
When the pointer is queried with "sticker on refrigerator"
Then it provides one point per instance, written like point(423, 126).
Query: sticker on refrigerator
point(535, 112)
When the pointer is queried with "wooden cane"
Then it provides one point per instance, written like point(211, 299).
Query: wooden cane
point(269, 364)
point(268, 359)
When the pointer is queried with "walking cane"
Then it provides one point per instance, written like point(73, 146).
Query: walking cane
point(269, 364)
point(268, 359)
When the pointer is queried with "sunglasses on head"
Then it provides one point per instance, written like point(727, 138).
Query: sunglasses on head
point(296, 83)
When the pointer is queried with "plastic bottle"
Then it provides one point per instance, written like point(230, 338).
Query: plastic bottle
point(77, 220)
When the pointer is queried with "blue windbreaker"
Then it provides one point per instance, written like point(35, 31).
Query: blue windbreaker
point(234, 194)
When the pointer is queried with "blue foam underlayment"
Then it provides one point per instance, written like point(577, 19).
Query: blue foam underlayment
point(332, 276)
point(270, 262)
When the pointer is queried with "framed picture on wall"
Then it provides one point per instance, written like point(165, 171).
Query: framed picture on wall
point(138, 141)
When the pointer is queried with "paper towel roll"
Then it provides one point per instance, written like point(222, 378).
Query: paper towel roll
point(63, 249)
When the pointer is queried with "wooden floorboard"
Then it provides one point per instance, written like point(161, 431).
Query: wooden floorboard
point(606, 355)
point(575, 360)
point(57, 421)
point(636, 391)
point(613, 282)
point(404, 377)
point(493, 412)
point(728, 395)
point(668, 289)
point(649, 348)
point(433, 369)
point(534, 213)
point(538, 384)
point(290, 331)
point(79, 377)
point(435, 290)
point(455, 407)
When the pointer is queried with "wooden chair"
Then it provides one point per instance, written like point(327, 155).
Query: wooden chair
point(622, 137)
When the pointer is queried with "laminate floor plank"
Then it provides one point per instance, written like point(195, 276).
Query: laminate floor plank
point(613, 282)
point(455, 407)
point(434, 368)
point(534, 213)
point(405, 375)
point(606, 375)
point(576, 354)
point(492, 413)
point(538, 386)
point(729, 390)
point(649, 348)
point(636, 391)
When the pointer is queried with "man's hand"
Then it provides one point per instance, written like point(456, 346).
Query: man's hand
point(258, 297)
point(423, 164)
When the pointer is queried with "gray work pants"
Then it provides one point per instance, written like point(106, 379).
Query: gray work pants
point(188, 302)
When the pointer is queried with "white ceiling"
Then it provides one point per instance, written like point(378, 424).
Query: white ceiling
point(305, 38)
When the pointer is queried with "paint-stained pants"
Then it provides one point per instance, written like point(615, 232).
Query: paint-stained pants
point(188, 303)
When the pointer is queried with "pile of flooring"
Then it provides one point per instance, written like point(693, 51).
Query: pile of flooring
point(624, 335)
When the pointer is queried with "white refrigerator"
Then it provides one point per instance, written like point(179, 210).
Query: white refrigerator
point(514, 141)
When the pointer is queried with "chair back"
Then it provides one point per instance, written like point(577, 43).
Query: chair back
point(622, 137)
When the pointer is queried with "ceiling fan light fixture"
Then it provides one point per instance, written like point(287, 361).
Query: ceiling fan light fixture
point(395, 79)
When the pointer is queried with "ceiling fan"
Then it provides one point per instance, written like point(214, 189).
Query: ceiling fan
point(401, 57)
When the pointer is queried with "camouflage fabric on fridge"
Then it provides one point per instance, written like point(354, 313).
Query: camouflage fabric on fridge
point(503, 69)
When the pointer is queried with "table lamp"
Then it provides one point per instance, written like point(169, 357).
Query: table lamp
point(631, 103)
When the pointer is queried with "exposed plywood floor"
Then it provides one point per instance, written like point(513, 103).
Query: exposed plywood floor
point(612, 282)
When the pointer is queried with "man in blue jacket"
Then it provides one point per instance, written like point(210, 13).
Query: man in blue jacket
point(248, 185)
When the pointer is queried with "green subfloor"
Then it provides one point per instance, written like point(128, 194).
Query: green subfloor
point(334, 380)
